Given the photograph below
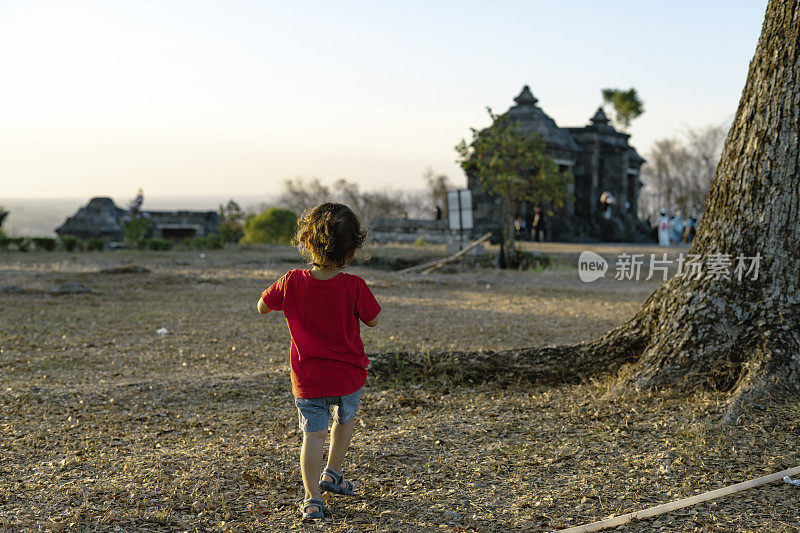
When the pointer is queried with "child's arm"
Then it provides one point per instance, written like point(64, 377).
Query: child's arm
point(272, 297)
point(367, 305)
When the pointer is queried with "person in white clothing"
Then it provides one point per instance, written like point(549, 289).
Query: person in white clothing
point(663, 228)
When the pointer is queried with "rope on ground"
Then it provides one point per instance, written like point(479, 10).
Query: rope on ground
point(680, 504)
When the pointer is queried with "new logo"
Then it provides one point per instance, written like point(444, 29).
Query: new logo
point(591, 266)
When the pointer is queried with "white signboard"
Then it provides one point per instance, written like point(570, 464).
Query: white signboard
point(459, 209)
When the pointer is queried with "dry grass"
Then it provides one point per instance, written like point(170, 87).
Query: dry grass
point(108, 426)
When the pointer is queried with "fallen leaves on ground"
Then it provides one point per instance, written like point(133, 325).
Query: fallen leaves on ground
point(106, 425)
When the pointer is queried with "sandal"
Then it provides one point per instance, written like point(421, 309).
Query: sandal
point(316, 515)
point(339, 485)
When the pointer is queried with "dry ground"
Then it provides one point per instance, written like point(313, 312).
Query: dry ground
point(107, 426)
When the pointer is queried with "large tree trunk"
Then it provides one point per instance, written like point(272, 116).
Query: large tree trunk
point(740, 336)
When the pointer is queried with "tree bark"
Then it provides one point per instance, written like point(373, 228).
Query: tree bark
point(723, 334)
point(510, 248)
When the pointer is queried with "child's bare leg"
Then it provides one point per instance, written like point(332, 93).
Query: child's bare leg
point(340, 441)
point(311, 464)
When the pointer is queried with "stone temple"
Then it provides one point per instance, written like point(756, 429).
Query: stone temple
point(103, 219)
point(601, 160)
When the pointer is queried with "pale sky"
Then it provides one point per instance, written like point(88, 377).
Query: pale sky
point(232, 97)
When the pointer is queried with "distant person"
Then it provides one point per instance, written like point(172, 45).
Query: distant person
point(691, 229)
point(663, 228)
point(606, 201)
point(670, 218)
point(437, 213)
point(538, 225)
point(323, 307)
point(528, 235)
point(676, 228)
point(519, 227)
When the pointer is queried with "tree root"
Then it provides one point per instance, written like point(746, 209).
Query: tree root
point(542, 365)
point(687, 350)
point(685, 338)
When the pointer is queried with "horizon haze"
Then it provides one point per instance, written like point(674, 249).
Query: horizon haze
point(191, 99)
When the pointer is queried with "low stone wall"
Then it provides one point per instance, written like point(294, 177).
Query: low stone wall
point(410, 230)
point(181, 224)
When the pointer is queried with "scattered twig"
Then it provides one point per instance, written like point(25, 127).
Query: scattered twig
point(680, 504)
point(427, 268)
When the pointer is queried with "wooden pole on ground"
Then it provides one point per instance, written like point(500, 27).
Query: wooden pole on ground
point(680, 504)
point(427, 268)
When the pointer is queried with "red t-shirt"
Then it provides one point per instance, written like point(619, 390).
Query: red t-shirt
point(327, 353)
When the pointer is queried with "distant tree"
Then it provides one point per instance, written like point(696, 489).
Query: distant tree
point(301, 195)
point(3, 215)
point(136, 224)
point(627, 105)
point(438, 185)
point(135, 205)
point(678, 172)
point(513, 165)
point(231, 219)
point(666, 162)
point(416, 204)
point(273, 226)
point(369, 206)
point(705, 150)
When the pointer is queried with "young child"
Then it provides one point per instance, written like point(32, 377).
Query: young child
point(323, 306)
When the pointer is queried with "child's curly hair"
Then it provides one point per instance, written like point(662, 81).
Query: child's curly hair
point(330, 234)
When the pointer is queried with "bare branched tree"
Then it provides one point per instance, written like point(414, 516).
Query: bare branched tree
point(369, 206)
point(3, 215)
point(678, 172)
point(438, 185)
point(301, 195)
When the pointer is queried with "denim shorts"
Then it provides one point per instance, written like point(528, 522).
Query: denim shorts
point(314, 413)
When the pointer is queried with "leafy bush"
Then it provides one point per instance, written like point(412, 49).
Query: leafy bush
point(44, 243)
point(230, 234)
point(135, 232)
point(209, 242)
point(70, 243)
point(273, 226)
point(230, 222)
point(21, 243)
point(420, 241)
point(95, 244)
point(215, 241)
point(3, 215)
point(194, 243)
point(159, 244)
